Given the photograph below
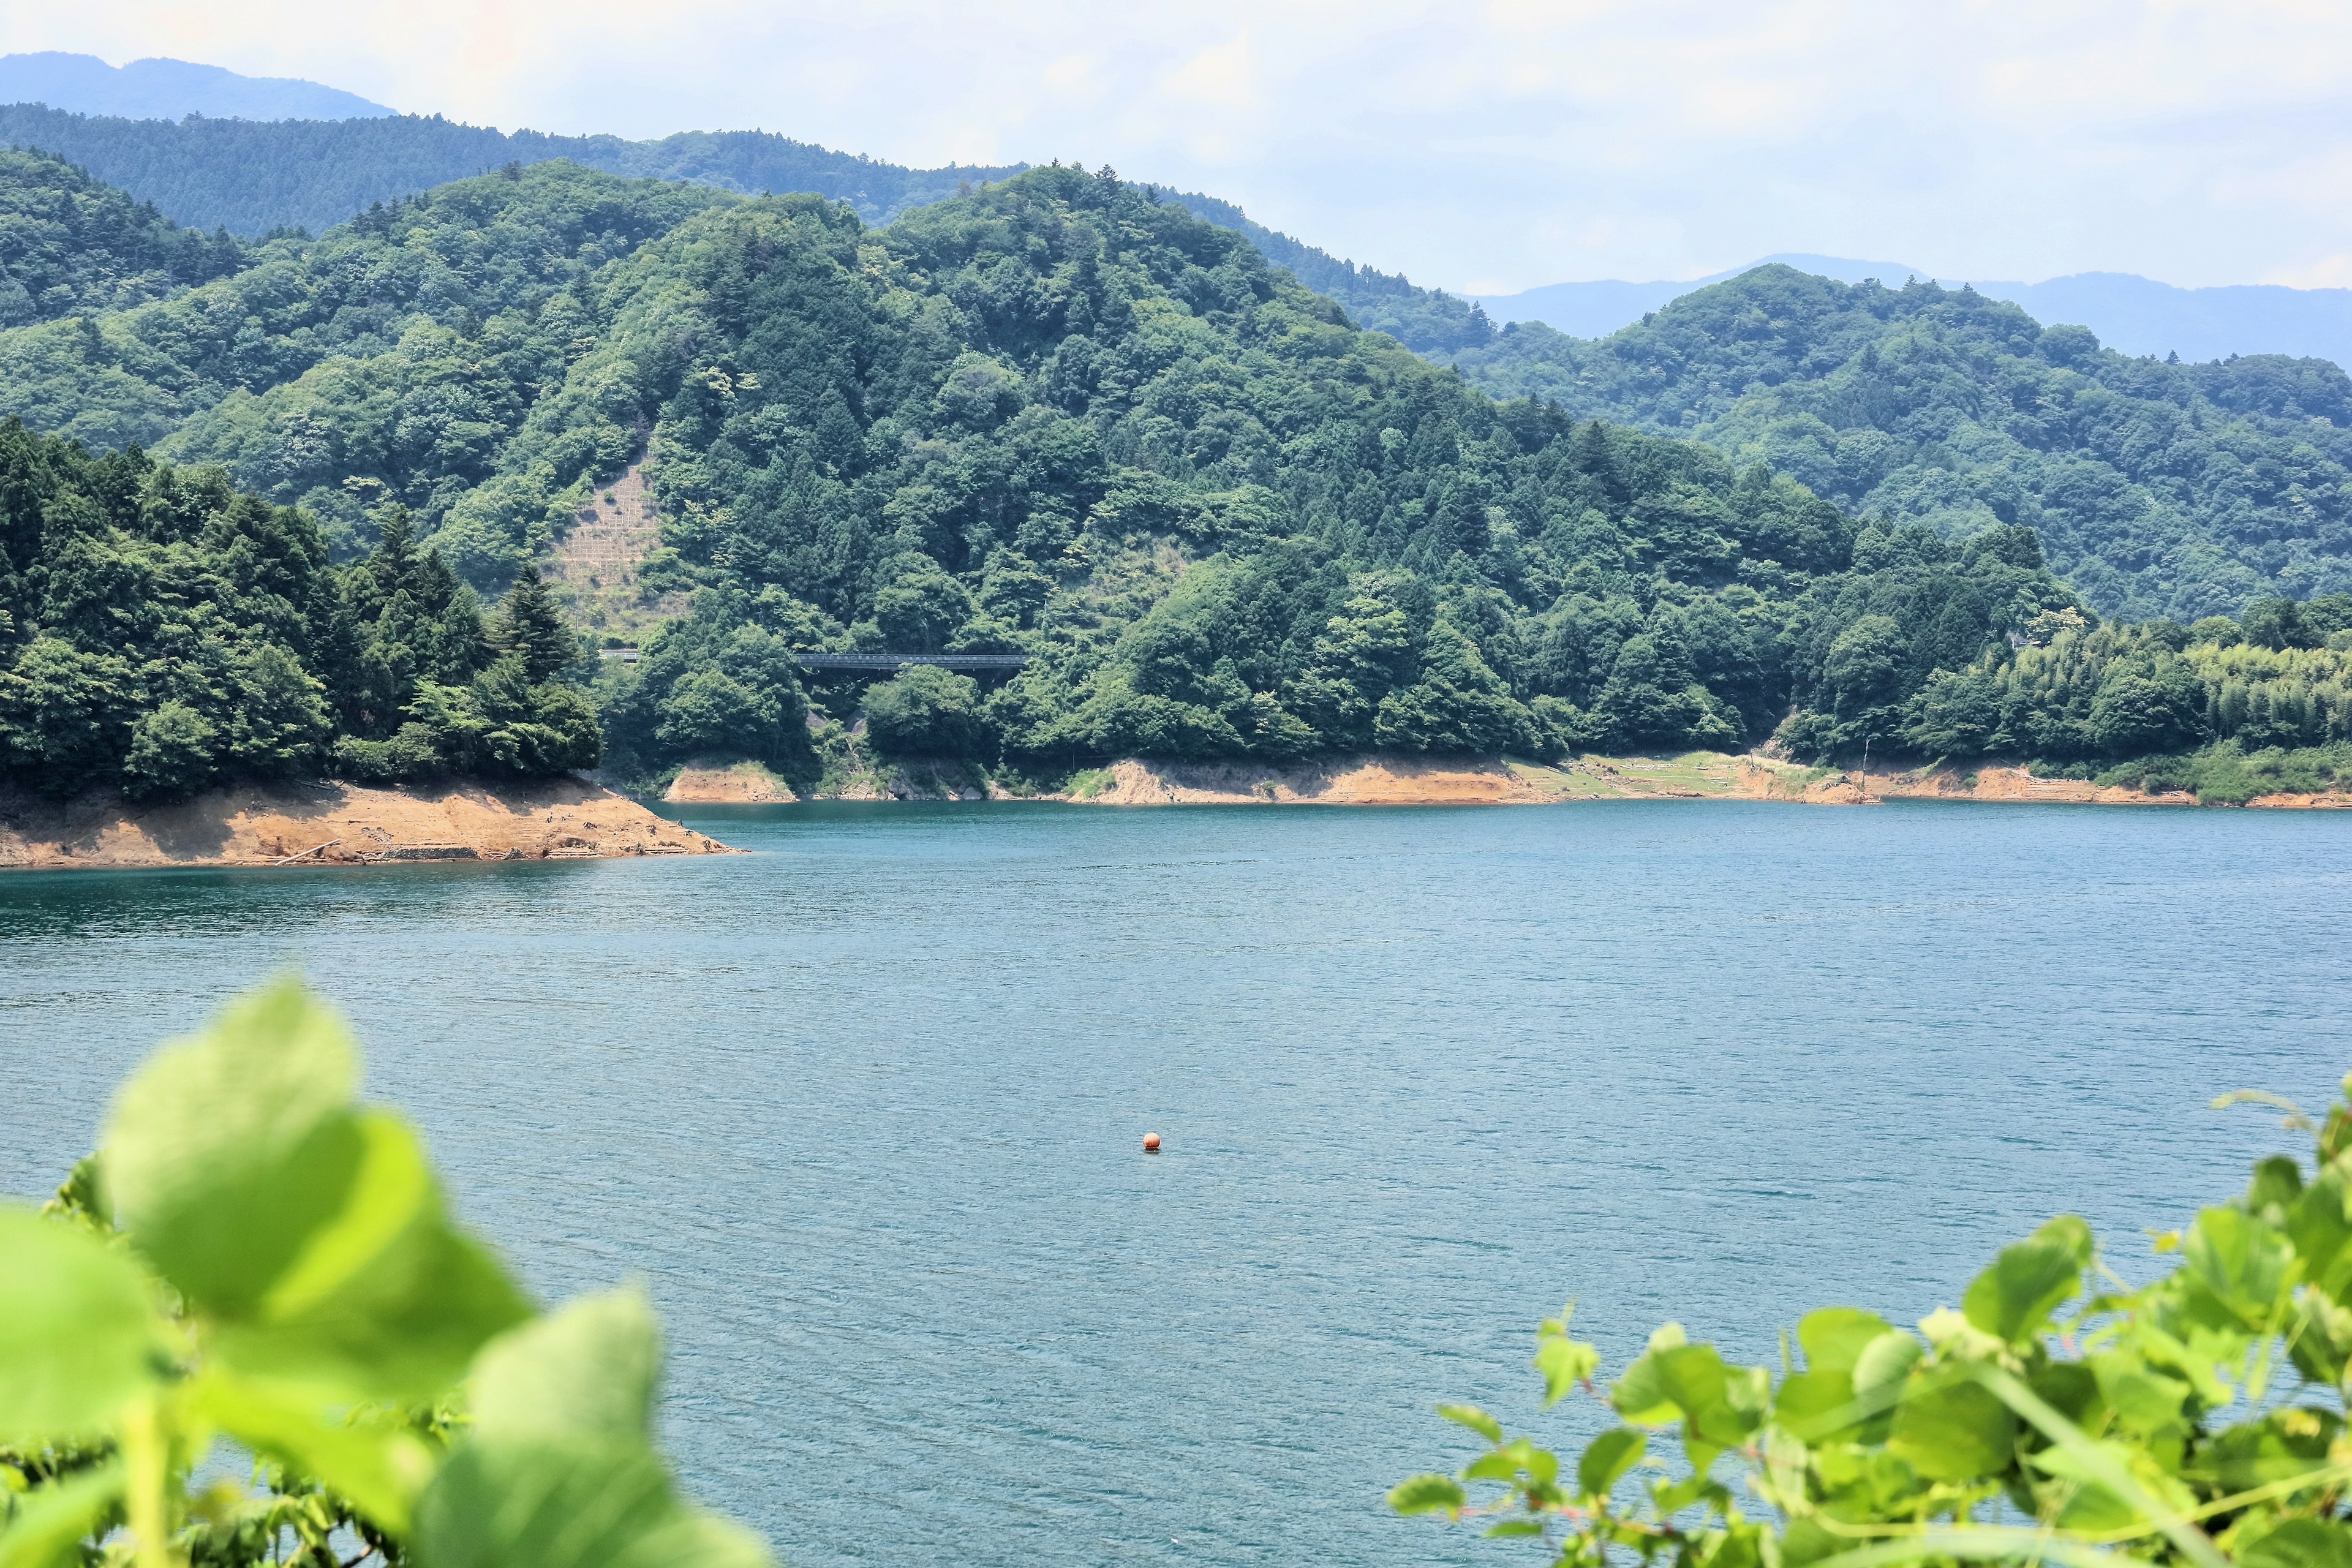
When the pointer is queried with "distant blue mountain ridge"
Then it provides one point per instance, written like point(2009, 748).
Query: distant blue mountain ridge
point(171, 90)
point(2131, 314)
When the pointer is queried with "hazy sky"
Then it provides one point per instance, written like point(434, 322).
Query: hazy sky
point(1483, 147)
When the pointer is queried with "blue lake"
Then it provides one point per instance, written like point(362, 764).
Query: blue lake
point(865, 1106)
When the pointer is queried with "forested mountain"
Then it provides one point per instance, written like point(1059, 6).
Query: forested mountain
point(2134, 314)
point(2158, 489)
point(252, 176)
point(1057, 415)
point(69, 244)
point(159, 631)
point(1427, 320)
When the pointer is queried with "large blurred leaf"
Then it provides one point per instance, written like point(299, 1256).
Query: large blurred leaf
point(1952, 1431)
point(78, 1335)
point(588, 1370)
point(1427, 1494)
point(43, 1527)
point(225, 1151)
point(2319, 1225)
point(378, 1464)
point(386, 1299)
point(2241, 1262)
point(1607, 1458)
point(2013, 1298)
point(1835, 1336)
point(312, 1231)
point(578, 1502)
point(2300, 1543)
point(2281, 1445)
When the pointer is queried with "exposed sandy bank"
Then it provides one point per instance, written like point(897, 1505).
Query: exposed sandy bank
point(1354, 781)
point(340, 825)
point(1400, 781)
point(728, 783)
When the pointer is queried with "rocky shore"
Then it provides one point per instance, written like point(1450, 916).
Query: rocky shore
point(334, 824)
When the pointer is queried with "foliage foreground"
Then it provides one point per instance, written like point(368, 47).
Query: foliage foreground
point(2060, 1415)
point(255, 1256)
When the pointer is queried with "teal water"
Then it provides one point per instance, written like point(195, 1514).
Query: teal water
point(864, 1107)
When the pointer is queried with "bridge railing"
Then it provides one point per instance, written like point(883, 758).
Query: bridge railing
point(876, 660)
point(900, 660)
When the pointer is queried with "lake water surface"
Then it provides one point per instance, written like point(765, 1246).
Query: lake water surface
point(864, 1107)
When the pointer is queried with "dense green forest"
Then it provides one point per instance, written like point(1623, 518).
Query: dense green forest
point(1057, 415)
point(2158, 489)
point(253, 177)
point(161, 631)
point(1427, 320)
point(69, 244)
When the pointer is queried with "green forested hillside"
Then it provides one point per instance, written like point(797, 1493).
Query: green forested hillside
point(396, 358)
point(2158, 489)
point(159, 631)
point(69, 244)
point(1427, 320)
point(1060, 416)
point(254, 177)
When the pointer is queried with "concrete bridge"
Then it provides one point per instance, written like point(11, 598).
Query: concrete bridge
point(971, 662)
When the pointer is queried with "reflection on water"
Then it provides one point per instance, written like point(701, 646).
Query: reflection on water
point(865, 1109)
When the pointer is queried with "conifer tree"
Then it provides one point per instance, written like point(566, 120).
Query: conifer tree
point(531, 625)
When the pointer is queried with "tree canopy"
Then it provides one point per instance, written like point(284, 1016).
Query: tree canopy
point(2158, 489)
point(161, 631)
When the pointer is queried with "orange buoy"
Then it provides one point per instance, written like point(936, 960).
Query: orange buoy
point(1152, 1143)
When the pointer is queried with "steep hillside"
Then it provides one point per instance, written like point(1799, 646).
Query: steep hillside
point(1427, 320)
point(255, 178)
point(2159, 489)
point(1055, 416)
point(69, 244)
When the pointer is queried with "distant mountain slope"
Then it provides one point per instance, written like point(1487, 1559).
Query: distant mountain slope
point(251, 177)
point(1427, 320)
point(170, 90)
point(69, 244)
point(2132, 315)
point(1598, 309)
point(2159, 489)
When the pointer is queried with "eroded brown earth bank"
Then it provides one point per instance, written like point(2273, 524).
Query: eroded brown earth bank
point(340, 825)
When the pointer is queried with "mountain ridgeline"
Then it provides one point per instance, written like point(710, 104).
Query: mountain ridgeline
point(252, 176)
point(1055, 416)
point(2159, 489)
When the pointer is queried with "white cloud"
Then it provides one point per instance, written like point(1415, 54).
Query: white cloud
point(1514, 142)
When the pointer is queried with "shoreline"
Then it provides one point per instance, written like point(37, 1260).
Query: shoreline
point(1383, 780)
point(327, 823)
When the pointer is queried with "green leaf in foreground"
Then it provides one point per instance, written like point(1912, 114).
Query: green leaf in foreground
point(42, 1529)
point(588, 1370)
point(311, 1230)
point(227, 1151)
point(1607, 1458)
point(1427, 1494)
point(78, 1335)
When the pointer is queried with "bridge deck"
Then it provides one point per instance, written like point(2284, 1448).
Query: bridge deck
point(900, 660)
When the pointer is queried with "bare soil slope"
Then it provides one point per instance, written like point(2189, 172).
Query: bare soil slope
point(594, 568)
point(340, 825)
